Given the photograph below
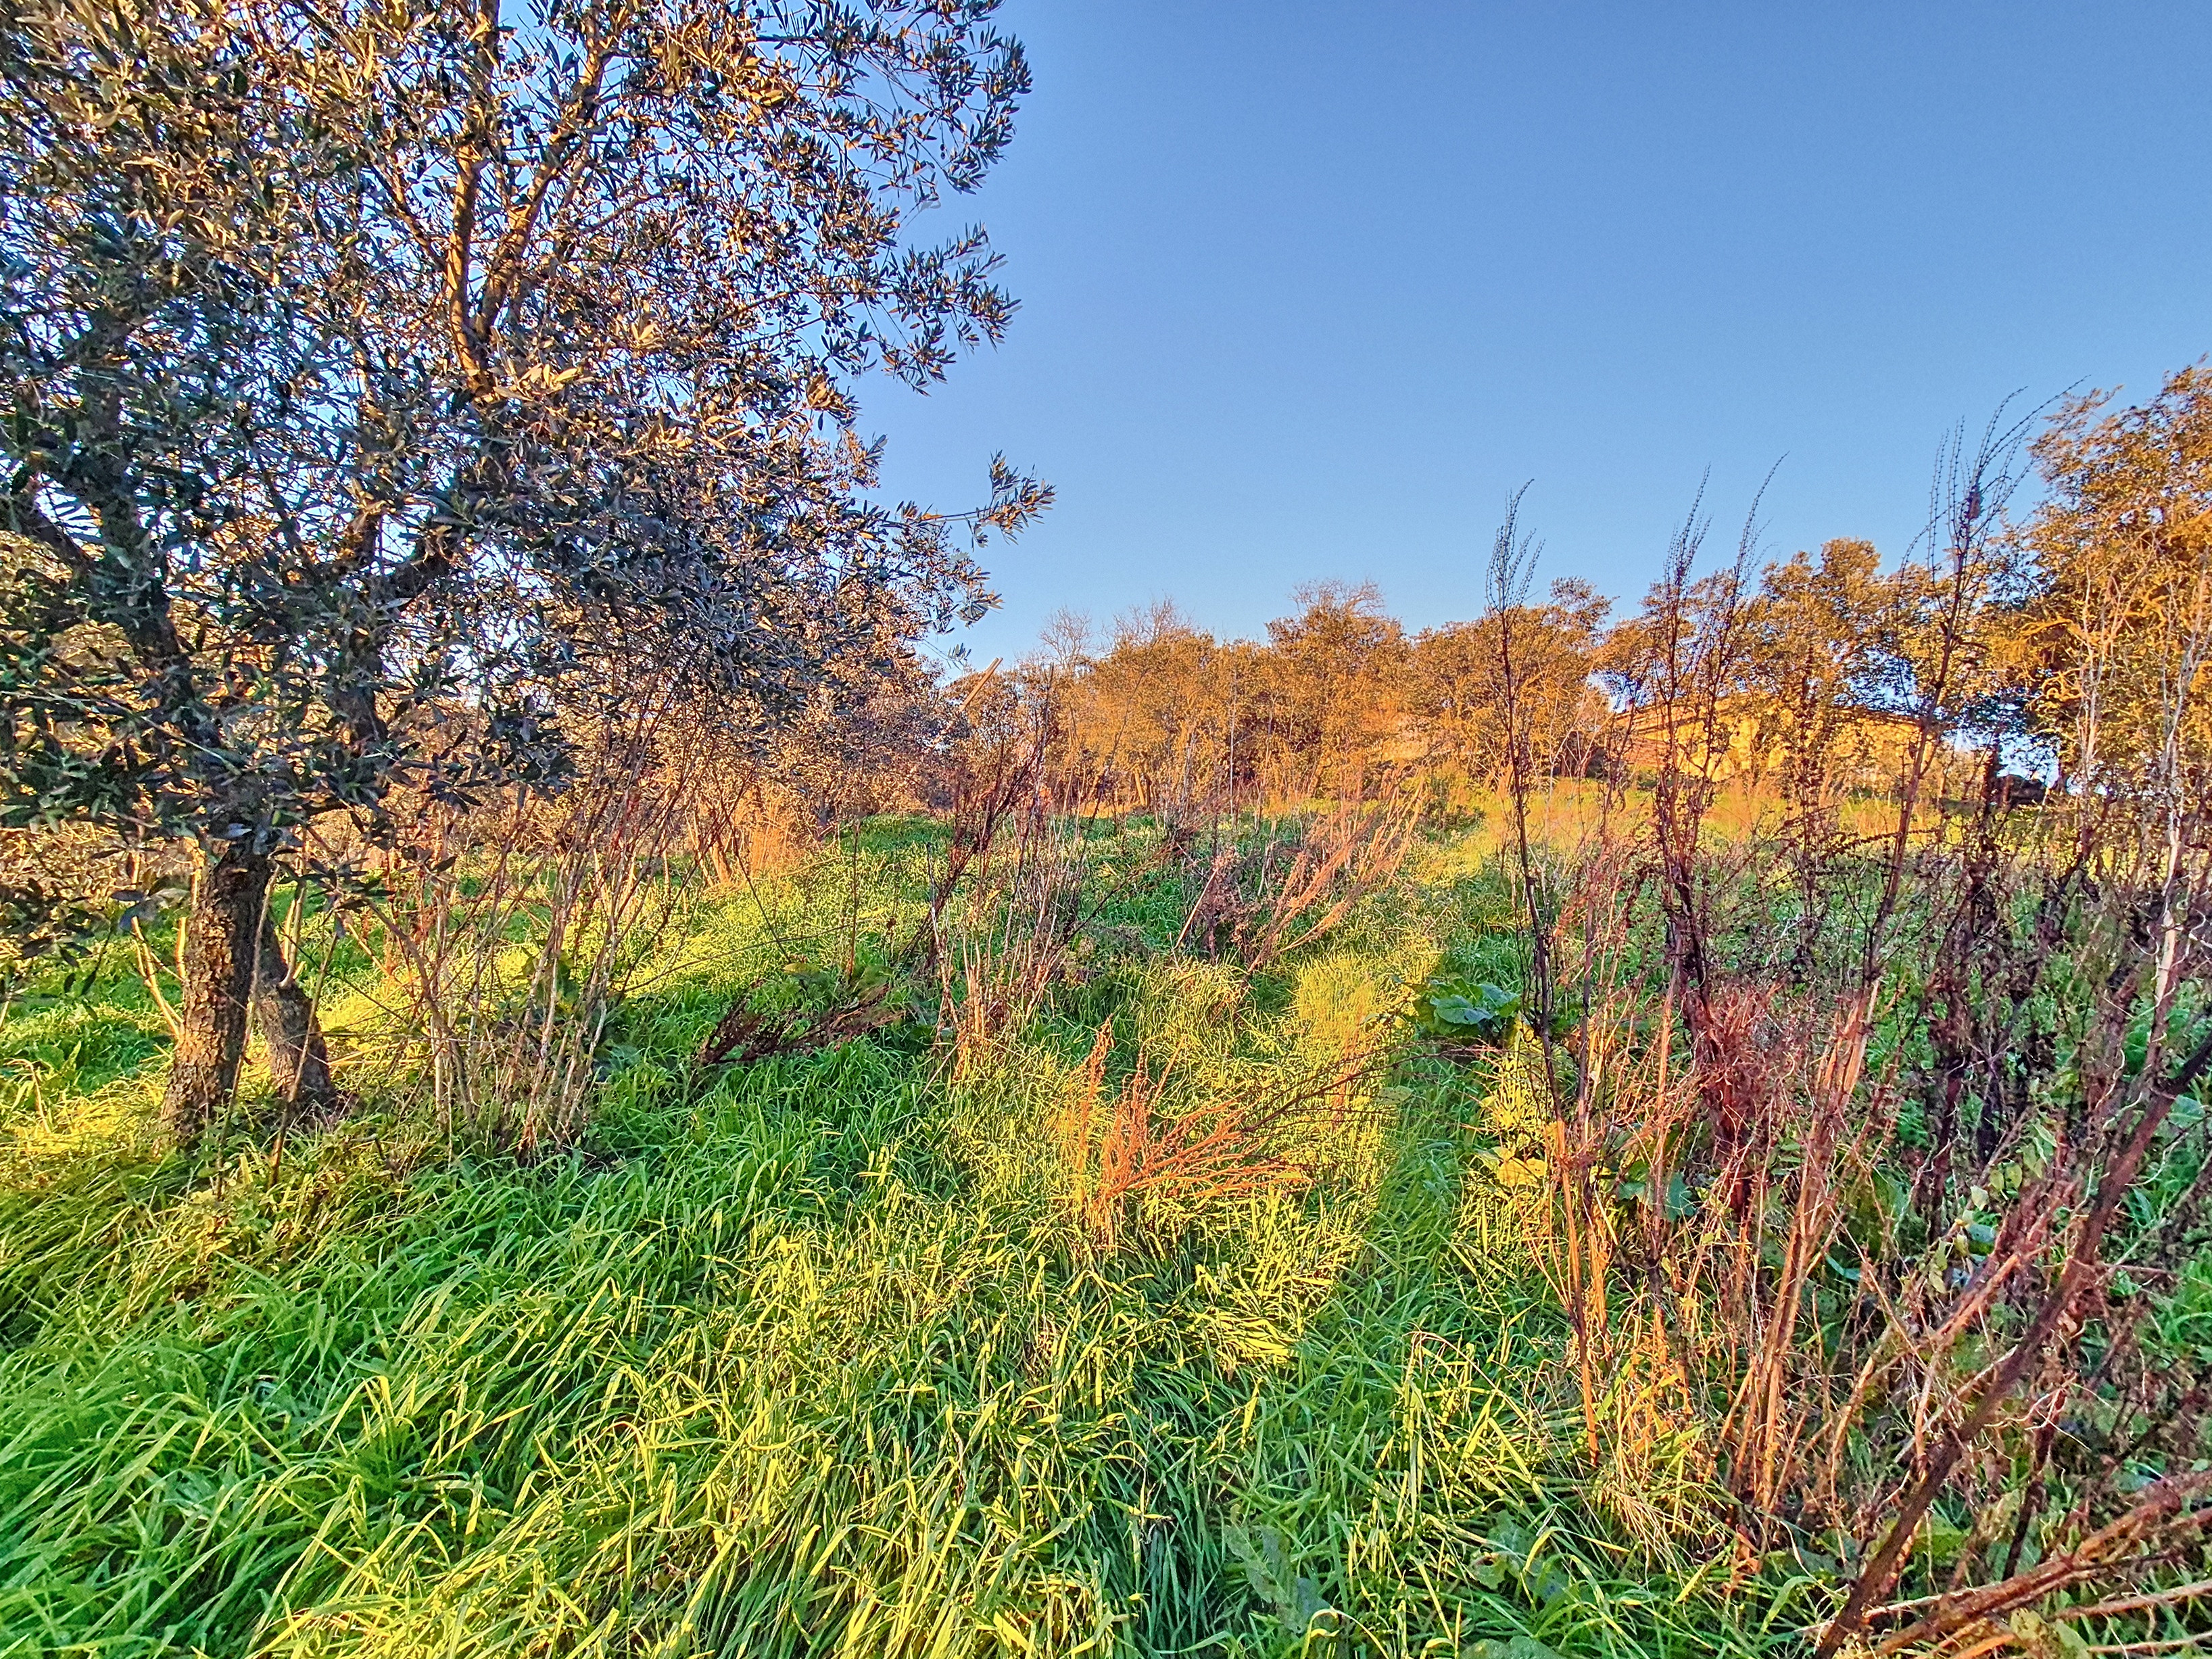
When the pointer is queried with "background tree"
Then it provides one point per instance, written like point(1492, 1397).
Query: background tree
point(1333, 688)
point(1162, 715)
point(1813, 673)
point(1455, 673)
point(386, 381)
point(2115, 639)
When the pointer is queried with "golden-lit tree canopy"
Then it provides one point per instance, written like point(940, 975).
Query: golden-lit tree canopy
point(2111, 647)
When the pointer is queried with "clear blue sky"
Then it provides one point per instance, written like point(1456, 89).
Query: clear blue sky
point(1308, 287)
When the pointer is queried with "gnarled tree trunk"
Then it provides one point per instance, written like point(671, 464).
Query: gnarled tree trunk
point(235, 966)
point(222, 933)
point(299, 1063)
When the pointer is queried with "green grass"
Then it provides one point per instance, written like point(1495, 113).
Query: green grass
point(806, 1357)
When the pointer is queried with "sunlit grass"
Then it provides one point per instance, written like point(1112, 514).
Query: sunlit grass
point(808, 1357)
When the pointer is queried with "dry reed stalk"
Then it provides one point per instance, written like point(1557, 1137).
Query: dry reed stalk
point(518, 928)
point(1255, 902)
point(1121, 1147)
point(1580, 1263)
point(2166, 1525)
point(2083, 1263)
point(1730, 1284)
point(995, 778)
point(742, 826)
point(1355, 851)
point(1025, 904)
point(149, 974)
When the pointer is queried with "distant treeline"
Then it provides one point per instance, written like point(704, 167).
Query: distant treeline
point(2041, 651)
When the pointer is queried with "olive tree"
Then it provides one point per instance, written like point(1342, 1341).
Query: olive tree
point(385, 377)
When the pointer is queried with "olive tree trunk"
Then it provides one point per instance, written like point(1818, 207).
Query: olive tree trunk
point(234, 967)
point(299, 1063)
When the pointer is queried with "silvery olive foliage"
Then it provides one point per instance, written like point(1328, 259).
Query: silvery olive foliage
point(385, 380)
point(394, 388)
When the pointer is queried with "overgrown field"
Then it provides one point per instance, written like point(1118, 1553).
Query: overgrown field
point(817, 1353)
point(565, 1089)
point(1102, 1288)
